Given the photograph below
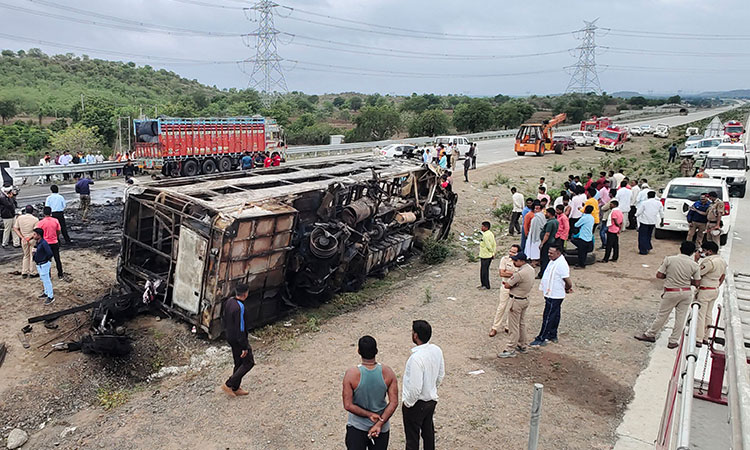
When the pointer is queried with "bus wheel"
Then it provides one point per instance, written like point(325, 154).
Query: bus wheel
point(190, 168)
point(225, 164)
point(208, 166)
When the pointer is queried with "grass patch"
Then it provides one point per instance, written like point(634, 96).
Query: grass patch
point(427, 295)
point(434, 251)
point(111, 399)
point(557, 167)
point(503, 212)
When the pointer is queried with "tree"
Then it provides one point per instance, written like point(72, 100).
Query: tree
point(376, 123)
point(674, 99)
point(99, 114)
point(355, 103)
point(513, 113)
point(338, 102)
point(8, 109)
point(432, 122)
point(474, 115)
point(76, 138)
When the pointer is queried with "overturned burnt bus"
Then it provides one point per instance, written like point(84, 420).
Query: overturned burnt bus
point(296, 234)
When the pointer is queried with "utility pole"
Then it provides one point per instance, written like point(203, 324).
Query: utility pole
point(82, 108)
point(267, 76)
point(585, 78)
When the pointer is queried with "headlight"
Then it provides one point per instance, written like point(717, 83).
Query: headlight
point(740, 179)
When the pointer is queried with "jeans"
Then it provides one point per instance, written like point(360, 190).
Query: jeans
point(613, 246)
point(584, 247)
point(43, 270)
point(671, 157)
point(603, 235)
point(550, 319)
point(241, 366)
point(484, 271)
point(514, 225)
point(644, 238)
point(418, 420)
point(60, 216)
point(358, 440)
point(523, 239)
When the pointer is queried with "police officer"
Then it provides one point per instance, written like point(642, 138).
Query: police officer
point(713, 270)
point(519, 285)
point(696, 218)
point(679, 272)
point(713, 215)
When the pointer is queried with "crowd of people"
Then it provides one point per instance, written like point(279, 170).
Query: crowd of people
point(260, 159)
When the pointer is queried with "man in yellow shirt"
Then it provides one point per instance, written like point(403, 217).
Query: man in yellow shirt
point(487, 248)
point(591, 200)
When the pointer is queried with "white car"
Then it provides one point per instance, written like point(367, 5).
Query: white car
point(461, 143)
point(636, 131)
point(728, 162)
point(680, 194)
point(704, 146)
point(691, 131)
point(583, 137)
point(693, 141)
point(646, 129)
point(661, 131)
point(396, 150)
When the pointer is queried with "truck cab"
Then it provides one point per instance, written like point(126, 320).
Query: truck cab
point(728, 162)
point(596, 123)
point(734, 130)
point(611, 139)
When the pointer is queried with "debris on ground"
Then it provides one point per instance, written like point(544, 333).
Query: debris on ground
point(16, 438)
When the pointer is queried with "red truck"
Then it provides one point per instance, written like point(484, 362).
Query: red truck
point(595, 123)
point(611, 139)
point(191, 147)
point(734, 130)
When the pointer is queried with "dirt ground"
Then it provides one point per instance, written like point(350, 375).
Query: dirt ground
point(295, 400)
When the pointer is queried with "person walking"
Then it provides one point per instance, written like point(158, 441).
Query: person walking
point(679, 272)
point(83, 190)
point(507, 269)
point(424, 372)
point(635, 190)
point(519, 286)
point(234, 318)
point(57, 204)
point(549, 233)
point(467, 166)
point(24, 229)
point(517, 199)
point(648, 215)
point(364, 391)
point(614, 226)
point(697, 218)
point(713, 271)
point(52, 229)
point(713, 218)
point(8, 208)
point(487, 249)
point(534, 234)
point(554, 285)
point(584, 238)
point(672, 153)
point(42, 257)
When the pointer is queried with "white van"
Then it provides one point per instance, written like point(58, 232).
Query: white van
point(680, 194)
point(583, 137)
point(728, 162)
point(461, 142)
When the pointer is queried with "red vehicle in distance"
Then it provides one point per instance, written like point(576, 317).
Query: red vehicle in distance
point(734, 130)
point(596, 123)
point(611, 139)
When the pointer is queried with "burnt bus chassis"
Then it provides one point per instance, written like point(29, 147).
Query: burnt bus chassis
point(296, 234)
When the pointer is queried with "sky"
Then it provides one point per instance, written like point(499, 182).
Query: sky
point(470, 47)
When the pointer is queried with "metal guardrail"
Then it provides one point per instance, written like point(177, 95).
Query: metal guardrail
point(36, 171)
point(688, 379)
point(738, 395)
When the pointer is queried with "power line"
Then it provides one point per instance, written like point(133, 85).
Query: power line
point(637, 51)
point(210, 5)
point(427, 76)
point(585, 78)
point(672, 35)
point(267, 75)
point(118, 26)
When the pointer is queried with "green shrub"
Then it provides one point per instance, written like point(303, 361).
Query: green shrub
point(503, 212)
point(434, 251)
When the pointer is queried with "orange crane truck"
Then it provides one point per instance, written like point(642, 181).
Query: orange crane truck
point(537, 137)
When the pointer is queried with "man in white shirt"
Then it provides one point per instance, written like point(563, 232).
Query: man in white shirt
point(99, 157)
point(554, 285)
point(517, 210)
point(645, 188)
point(619, 176)
point(634, 191)
point(423, 374)
point(648, 215)
point(623, 197)
point(576, 206)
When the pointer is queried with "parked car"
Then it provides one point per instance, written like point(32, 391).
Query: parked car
point(728, 162)
point(461, 143)
point(661, 131)
point(691, 131)
point(680, 194)
point(646, 129)
point(704, 146)
point(583, 137)
point(693, 141)
point(397, 151)
point(567, 141)
point(636, 131)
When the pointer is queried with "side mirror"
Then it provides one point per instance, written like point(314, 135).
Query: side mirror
point(661, 191)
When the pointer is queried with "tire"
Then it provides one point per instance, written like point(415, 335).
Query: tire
point(208, 167)
point(559, 149)
point(723, 239)
point(572, 259)
point(190, 168)
point(225, 164)
point(659, 233)
point(521, 153)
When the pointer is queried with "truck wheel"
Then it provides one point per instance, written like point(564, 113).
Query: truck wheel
point(521, 153)
point(225, 164)
point(190, 168)
point(208, 166)
point(723, 239)
point(660, 234)
point(558, 149)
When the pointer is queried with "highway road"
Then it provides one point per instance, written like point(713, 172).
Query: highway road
point(500, 150)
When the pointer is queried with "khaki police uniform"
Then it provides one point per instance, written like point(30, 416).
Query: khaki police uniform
point(521, 283)
point(714, 213)
point(680, 271)
point(686, 167)
point(501, 315)
point(712, 269)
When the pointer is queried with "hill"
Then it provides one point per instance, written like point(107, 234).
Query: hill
point(736, 93)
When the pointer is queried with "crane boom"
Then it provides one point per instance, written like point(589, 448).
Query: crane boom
point(557, 119)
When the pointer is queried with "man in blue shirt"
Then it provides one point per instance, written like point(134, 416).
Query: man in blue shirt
point(56, 202)
point(526, 210)
point(234, 317)
point(42, 258)
point(247, 161)
point(584, 239)
point(84, 194)
point(697, 217)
